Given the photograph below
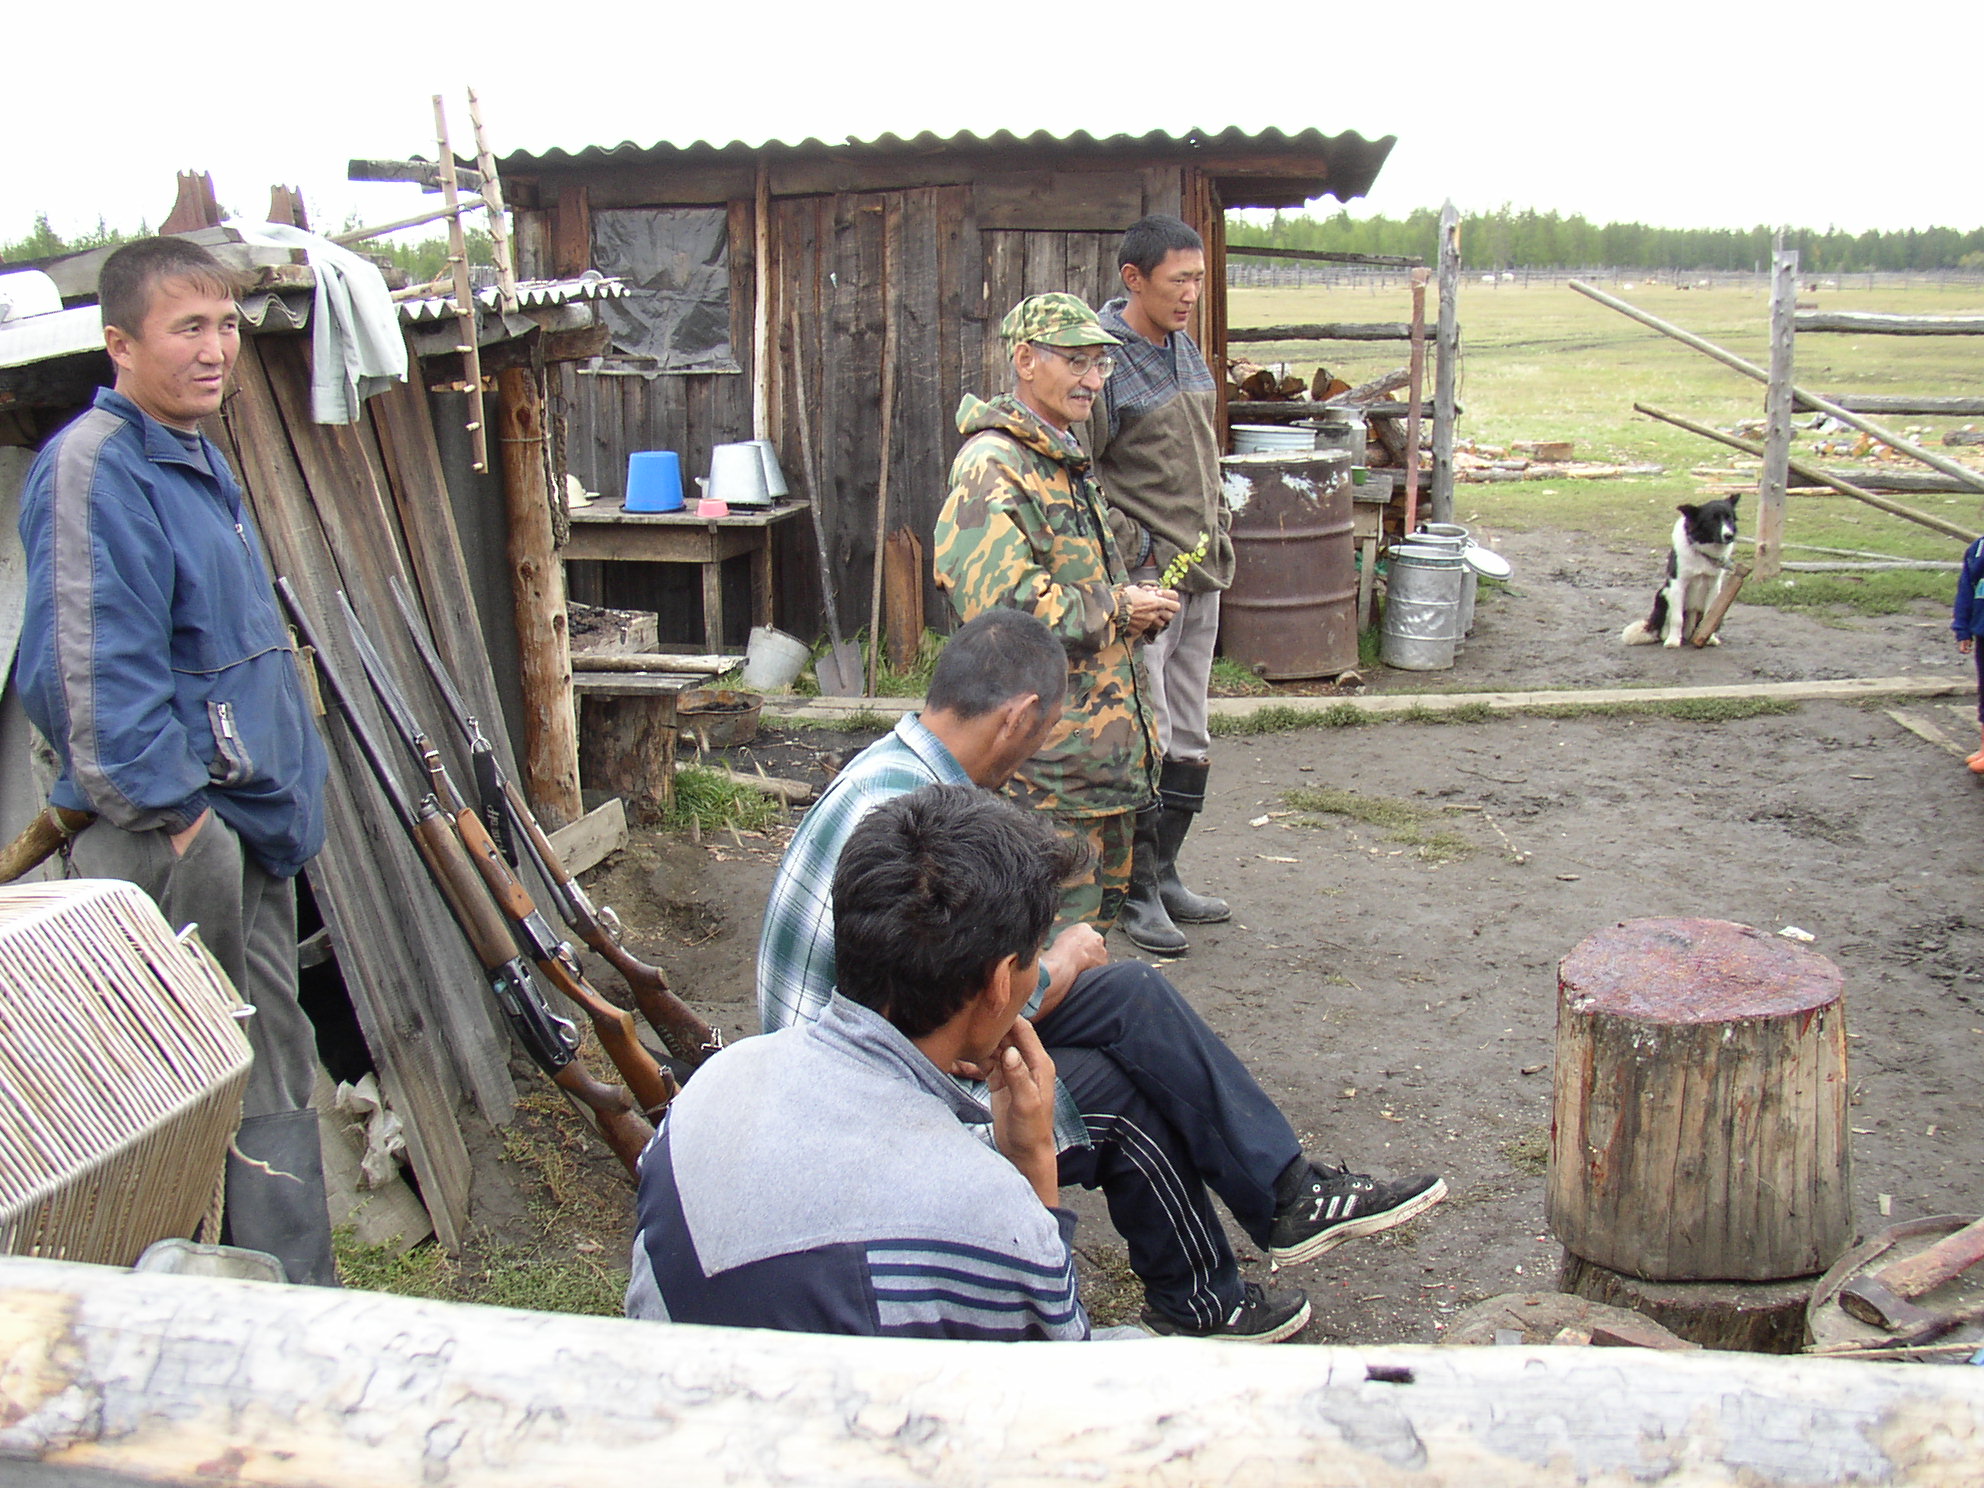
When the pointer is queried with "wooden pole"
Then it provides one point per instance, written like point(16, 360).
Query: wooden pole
point(117, 1378)
point(1317, 255)
point(1447, 369)
point(537, 573)
point(1873, 323)
point(463, 204)
point(1725, 597)
point(464, 296)
point(499, 222)
point(1812, 475)
point(1777, 412)
point(762, 309)
point(1415, 387)
point(891, 253)
point(1972, 479)
point(1383, 330)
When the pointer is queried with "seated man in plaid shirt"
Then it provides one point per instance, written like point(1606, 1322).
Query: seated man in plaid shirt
point(1150, 1106)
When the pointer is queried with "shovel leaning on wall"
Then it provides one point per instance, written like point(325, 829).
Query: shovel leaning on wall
point(839, 671)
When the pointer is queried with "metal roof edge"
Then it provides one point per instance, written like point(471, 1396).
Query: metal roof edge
point(1196, 138)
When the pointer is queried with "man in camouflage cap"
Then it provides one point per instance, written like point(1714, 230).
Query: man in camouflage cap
point(1025, 527)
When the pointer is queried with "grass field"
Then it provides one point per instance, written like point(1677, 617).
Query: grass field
point(1544, 362)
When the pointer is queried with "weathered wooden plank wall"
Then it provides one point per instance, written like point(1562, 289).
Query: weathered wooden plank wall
point(965, 253)
point(325, 503)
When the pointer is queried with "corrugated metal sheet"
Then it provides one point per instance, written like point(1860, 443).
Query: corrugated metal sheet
point(276, 309)
point(532, 294)
point(42, 338)
point(289, 309)
point(33, 325)
point(1350, 161)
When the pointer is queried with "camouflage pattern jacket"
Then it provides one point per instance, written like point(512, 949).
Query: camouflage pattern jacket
point(1025, 526)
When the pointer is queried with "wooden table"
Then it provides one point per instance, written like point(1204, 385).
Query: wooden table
point(608, 533)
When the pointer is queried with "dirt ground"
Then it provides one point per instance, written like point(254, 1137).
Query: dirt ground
point(1399, 999)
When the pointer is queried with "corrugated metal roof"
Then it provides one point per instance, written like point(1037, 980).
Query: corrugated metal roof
point(1350, 161)
point(33, 325)
point(532, 294)
point(289, 309)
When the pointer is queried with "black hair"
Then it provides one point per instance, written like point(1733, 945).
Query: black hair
point(124, 286)
point(933, 890)
point(1150, 240)
point(997, 656)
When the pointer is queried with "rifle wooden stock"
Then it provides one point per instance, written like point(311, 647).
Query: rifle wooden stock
point(549, 1040)
point(623, 1128)
point(688, 1037)
point(652, 1085)
point(52, 826)
point(488, 933)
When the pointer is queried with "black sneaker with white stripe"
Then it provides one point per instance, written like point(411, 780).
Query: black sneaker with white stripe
point(1264, 1316)
point(1323, 1207)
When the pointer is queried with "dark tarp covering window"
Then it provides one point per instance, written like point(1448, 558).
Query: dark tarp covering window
point(676, 262)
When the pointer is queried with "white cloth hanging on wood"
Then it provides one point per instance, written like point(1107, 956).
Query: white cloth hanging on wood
point(357, 348)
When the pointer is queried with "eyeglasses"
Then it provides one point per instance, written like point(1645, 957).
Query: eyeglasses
point(1081, 365)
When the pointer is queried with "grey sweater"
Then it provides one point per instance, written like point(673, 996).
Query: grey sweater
point(821, 1179)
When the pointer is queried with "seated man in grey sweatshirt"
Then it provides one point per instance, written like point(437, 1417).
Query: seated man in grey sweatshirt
point(824, 1178)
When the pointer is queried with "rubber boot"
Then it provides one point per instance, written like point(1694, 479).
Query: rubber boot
point(1143, 918)
point(275, 1195)
point(1182, 789)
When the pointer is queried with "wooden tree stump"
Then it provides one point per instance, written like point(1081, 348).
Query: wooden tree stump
point(1699, 1130)
point(1536, 1318)
point(627, 744)
point(1758, 1317)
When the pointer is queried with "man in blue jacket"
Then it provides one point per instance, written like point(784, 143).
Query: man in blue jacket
point(154, 661)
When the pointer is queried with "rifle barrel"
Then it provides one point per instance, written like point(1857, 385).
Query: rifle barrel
point(651, 1086)
point(551, 1041)
point(688, 1036)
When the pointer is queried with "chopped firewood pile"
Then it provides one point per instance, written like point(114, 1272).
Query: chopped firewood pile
point(1528, 460)
point(1325, 393)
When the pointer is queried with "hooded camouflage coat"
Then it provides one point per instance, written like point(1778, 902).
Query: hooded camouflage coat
point(1025, 527)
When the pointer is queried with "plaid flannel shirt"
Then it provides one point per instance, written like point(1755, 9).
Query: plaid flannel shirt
point(796, 945)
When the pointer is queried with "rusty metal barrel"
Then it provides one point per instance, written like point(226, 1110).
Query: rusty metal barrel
point(1292, 610)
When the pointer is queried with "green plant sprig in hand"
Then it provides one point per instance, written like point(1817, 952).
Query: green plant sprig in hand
point(1177, 568)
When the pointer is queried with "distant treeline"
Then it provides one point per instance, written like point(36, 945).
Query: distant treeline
point(423, 261)
point(1508, 239)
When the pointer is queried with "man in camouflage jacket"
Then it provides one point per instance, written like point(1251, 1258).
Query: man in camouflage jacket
point(1025, 527)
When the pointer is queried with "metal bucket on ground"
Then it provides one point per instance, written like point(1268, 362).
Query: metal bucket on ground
point(1292, 610)
point(1453, 535)
point(774, 659)
point(1422, 607)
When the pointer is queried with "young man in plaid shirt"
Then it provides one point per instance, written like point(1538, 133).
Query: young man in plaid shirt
point(1151, 1106)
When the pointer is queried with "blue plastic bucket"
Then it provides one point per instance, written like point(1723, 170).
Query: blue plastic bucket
point(654, 481)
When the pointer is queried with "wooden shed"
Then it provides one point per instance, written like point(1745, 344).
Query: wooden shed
point(896, 259)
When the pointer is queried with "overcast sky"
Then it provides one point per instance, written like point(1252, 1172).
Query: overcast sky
point(1677, 114)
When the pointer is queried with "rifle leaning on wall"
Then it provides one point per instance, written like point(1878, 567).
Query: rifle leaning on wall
point(52, 830)
point(653, 1086)
point(508, 817)
point(551, 1041)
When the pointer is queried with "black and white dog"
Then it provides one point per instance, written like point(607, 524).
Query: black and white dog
point(1697, 568)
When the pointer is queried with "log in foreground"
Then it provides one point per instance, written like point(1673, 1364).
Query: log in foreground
point(108, 1377)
